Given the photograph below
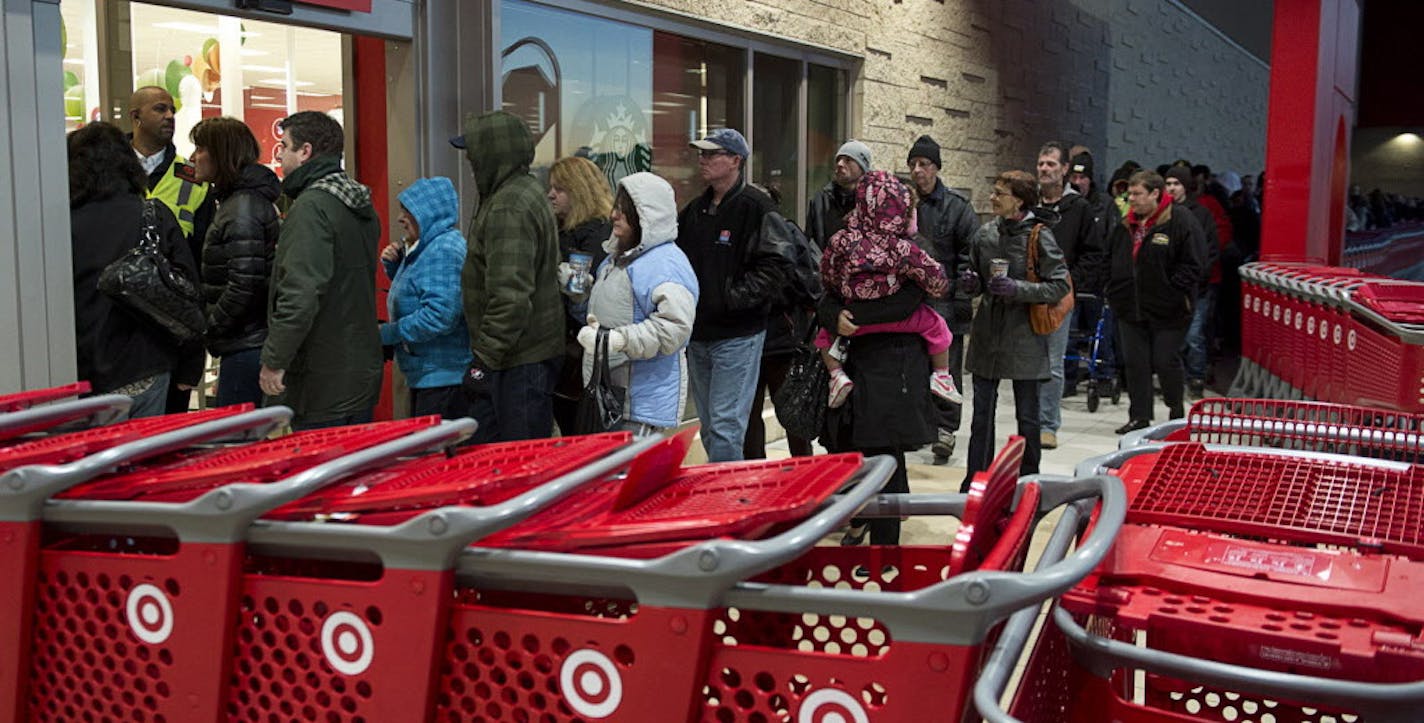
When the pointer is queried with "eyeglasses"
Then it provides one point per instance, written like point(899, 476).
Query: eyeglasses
point(996, 193)
point(712, 154)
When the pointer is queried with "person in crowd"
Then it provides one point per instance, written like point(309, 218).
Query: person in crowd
point(323, 356)
point(1154, 267)
point(172, 180)
point(787, 325)
point(1080, 237)
point(118, 351)
point(872, 258)
point(1182, 187)
point(427, 322)
point(827, 211)
point(1089, 307)
point(947, 224)
point(1002, 343)
point(645, 295)
point(738, 275)
point(237, 252)
point(511, 285)
point(582, 202)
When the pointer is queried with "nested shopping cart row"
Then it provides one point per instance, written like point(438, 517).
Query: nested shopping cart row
point(1332, 334)
point(1270, 575)
point(178, 569)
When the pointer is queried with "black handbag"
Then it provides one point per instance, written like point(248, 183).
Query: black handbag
point(145, 281)
point(600, 409)
point(801, 401)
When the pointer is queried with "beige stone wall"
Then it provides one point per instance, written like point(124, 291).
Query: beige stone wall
point(992, 79)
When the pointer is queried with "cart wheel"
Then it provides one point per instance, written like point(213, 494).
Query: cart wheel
point(1092, 398)
point(1116, 392)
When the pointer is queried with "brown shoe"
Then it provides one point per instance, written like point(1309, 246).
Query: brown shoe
point(1047, 440)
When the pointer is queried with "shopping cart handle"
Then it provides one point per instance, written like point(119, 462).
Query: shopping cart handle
point(1102, 463)
point(962, 609)
point(1373, 701)
point(694, 576)
point(894, 504)
point(222, 515)
point(27, 488)
point(431, 540)
point(1015, 633)
point(89, 412)
point(1156, 433)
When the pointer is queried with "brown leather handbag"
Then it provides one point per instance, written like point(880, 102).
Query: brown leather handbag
point(1045, 318)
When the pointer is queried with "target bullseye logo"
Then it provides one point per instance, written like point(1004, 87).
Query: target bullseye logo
point(829, 705)
point(346, 642)
point(150, 614)
point(591, 684)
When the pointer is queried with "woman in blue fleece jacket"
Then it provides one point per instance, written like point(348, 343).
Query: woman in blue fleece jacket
point(427, 319)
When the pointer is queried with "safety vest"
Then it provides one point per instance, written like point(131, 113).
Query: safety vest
point(181, 193)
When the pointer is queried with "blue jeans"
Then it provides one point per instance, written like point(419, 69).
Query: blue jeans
point(237, 377)
point(1050, 393)
point(723, 375)
point(518, 403)
point(1195, 348)
point(152, 401)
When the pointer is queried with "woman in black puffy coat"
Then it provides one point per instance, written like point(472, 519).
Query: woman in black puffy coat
point(237, 252)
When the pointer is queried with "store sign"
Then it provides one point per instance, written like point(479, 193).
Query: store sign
point(355, 6)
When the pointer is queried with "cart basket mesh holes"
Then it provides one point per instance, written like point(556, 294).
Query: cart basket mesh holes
point(736, 694)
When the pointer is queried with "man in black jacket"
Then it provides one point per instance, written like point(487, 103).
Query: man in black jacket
point(720, 231)
point(1154, 265)
point(1080, 235)
point(826, 213)
point(947, 224)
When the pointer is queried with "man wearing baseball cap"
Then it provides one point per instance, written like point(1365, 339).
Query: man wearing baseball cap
point(720, 231)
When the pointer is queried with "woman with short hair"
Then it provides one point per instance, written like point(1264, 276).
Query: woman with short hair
point(237, 252)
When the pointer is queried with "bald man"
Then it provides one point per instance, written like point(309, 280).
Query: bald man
point(171, 180)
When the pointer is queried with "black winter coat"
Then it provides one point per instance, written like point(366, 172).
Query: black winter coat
point(739, 270)
point(1080, 235)
point(826, 213)
point(237, 261)
point(116, 346)
point(947, 226)
point(1159, 287)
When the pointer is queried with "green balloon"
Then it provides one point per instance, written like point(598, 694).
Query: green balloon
point(70, 79)
point(63, 39)
point(74, 103)
point(172, 77)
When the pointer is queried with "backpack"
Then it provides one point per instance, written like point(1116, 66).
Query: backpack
point(803, 283)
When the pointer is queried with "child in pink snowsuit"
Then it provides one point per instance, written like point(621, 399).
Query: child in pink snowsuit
point(874, 257)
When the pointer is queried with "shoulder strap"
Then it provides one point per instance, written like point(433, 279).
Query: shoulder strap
point(1033, 253)
point(148, 234)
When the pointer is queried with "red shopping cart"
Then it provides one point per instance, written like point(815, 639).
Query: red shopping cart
point(18, 401)
point(345, 593)
point(33, 471)
point(1247, 583)
point(143, 569)
point(63, 417)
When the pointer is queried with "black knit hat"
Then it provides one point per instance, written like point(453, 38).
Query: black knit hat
point(1183, 174)
point(925, 147)
point(1081, 163)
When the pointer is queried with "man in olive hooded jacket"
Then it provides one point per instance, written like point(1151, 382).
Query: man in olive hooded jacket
point(322, 356)
point(510, 284)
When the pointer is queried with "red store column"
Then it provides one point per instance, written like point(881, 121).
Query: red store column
point(369, 69)
point(1314, 61)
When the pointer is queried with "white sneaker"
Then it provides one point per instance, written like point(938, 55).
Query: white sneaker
point(840, 389)
point(942, 385)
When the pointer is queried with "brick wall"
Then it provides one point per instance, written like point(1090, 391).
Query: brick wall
point(992, 79)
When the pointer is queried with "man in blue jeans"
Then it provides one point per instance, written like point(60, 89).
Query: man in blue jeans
point(720, 231)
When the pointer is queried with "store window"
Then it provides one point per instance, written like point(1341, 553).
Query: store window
point(212, 65)
point(631, 97)
point(776, 84)
point(825, 122)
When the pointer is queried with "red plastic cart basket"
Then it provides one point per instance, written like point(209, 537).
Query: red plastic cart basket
point(142, 572)
point(1299, 425)
point(36, 470)
point(63, 417)
point(345, 594)
point(898, 633)
point(18, 401)
point(602, 634)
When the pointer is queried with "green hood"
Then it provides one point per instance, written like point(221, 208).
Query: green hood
point(499, 147)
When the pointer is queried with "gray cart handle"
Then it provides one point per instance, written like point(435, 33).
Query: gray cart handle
point(693, 577)
point(431, 540)
point(222, 515)
point(23, 491)
point(962, 609)
point(73, 414)
point(1374, 701)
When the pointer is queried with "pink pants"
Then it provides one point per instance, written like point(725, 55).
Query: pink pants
point(924, 321)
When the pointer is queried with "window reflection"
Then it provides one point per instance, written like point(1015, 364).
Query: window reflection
point(777, 88)
point(697, 89)
point(825, 123)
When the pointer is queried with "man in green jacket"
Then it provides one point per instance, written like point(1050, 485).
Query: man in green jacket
point(510, 283)
point(322, 357)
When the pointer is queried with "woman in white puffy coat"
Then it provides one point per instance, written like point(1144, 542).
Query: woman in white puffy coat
point(645, 294)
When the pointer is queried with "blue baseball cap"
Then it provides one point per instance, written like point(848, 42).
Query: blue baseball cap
point(458, 141)
point(726, 139)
